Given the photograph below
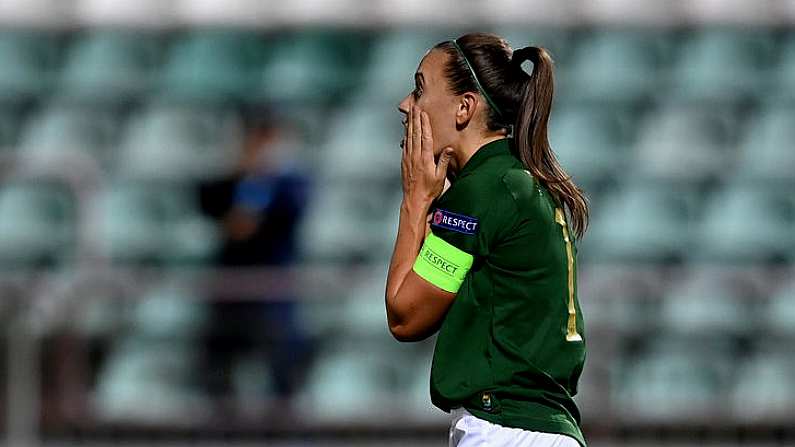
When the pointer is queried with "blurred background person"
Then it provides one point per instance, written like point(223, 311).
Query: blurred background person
point(258, 209)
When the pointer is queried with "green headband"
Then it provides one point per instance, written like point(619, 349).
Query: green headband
point(477, 82)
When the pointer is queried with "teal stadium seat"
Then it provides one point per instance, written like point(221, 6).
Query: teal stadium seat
point(374, 154)
point(782, 86)
point(764, 390)
point(389, 76)
point(418, 406)
point(685, 380)
point(723, 64)
point(746, 223)
point(312, 66)
point(642, 221)
point(618, 298)
point(707, 302)
point(37, 224)
point(212, 65)
point(63, 131)
point(27, 68)
point(615, 65)
point(155, 356)
point(686, 142)
point(11, 121)
point(110, 66)
point(780, 311)
point(589, 142)
point(346, 386)
point(154, 222)
point(766, 151)
point(345, 222)
point(150, 382)
point(179, 142)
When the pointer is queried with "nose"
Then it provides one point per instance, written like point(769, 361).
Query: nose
point(404, 105)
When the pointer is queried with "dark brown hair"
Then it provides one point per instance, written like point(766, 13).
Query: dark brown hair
point(524, 102)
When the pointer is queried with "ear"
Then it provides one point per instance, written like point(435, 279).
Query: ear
point(467, 106)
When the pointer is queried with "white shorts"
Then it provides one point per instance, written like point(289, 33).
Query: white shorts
point(467, 430)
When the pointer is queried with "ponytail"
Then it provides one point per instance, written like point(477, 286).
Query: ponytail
point(530, 134)
point(485, 63)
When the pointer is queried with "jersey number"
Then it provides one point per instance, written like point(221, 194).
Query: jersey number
point(571, 332)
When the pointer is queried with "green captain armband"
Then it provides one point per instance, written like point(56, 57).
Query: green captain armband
point(442, 264)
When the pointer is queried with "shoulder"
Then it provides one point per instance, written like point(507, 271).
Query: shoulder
point(520, 184)
point(529, 197)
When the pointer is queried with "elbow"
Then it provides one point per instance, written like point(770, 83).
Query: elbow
point(404, 333)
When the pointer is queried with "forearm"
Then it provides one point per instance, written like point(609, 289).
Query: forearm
point(411, 233)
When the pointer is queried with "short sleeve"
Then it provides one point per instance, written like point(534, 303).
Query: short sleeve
point(472, 215)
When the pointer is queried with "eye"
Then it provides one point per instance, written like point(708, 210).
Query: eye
point(417, 92)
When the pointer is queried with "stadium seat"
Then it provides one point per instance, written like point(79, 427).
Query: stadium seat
point(110, 66)
point(365, 314)
point(345, 386)
point(37, 225)
point(27, 68)
point(177, 142)
point(706, 302)
point(766, 149)
point(62, 130)
point(149, 381)
point(618, 298)
point(588, 141)
point(10, 122)
point(345, 221)
point(313, 67)
point(722, 64)
point(780, 312)
point(416, 399)
point(154, 223)
point(212, 65)
point(684, 380)
point(746, 223)
point(389, 76)
point(614, 66)
point(764, 390)
point(686, 142)
point(641, 221)
point(170, 310)
point(374, 154)
point(782, 83)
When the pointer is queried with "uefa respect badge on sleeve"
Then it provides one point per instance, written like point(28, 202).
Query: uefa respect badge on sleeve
point(454, 222)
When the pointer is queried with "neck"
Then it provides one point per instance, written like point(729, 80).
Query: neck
point(467, 148)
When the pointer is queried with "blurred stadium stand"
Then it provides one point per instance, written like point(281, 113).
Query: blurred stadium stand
point(677, 118)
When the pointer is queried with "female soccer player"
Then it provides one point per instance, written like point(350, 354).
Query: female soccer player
point(490, 261)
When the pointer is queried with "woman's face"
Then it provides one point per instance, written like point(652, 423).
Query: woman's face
point(432, 95)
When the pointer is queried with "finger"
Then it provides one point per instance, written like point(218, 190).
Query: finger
point(409, 130)
point(444, 161)
point(416, 134)
point(427, 137)
point(405, 159)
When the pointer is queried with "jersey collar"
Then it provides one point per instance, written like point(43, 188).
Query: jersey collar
point(488, 150)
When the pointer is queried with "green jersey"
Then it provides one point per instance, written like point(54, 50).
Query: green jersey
point(512, 345)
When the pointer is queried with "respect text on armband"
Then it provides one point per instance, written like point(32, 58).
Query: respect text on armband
point(439, 262)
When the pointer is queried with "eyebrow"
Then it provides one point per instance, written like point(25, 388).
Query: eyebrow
point(419, 78)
